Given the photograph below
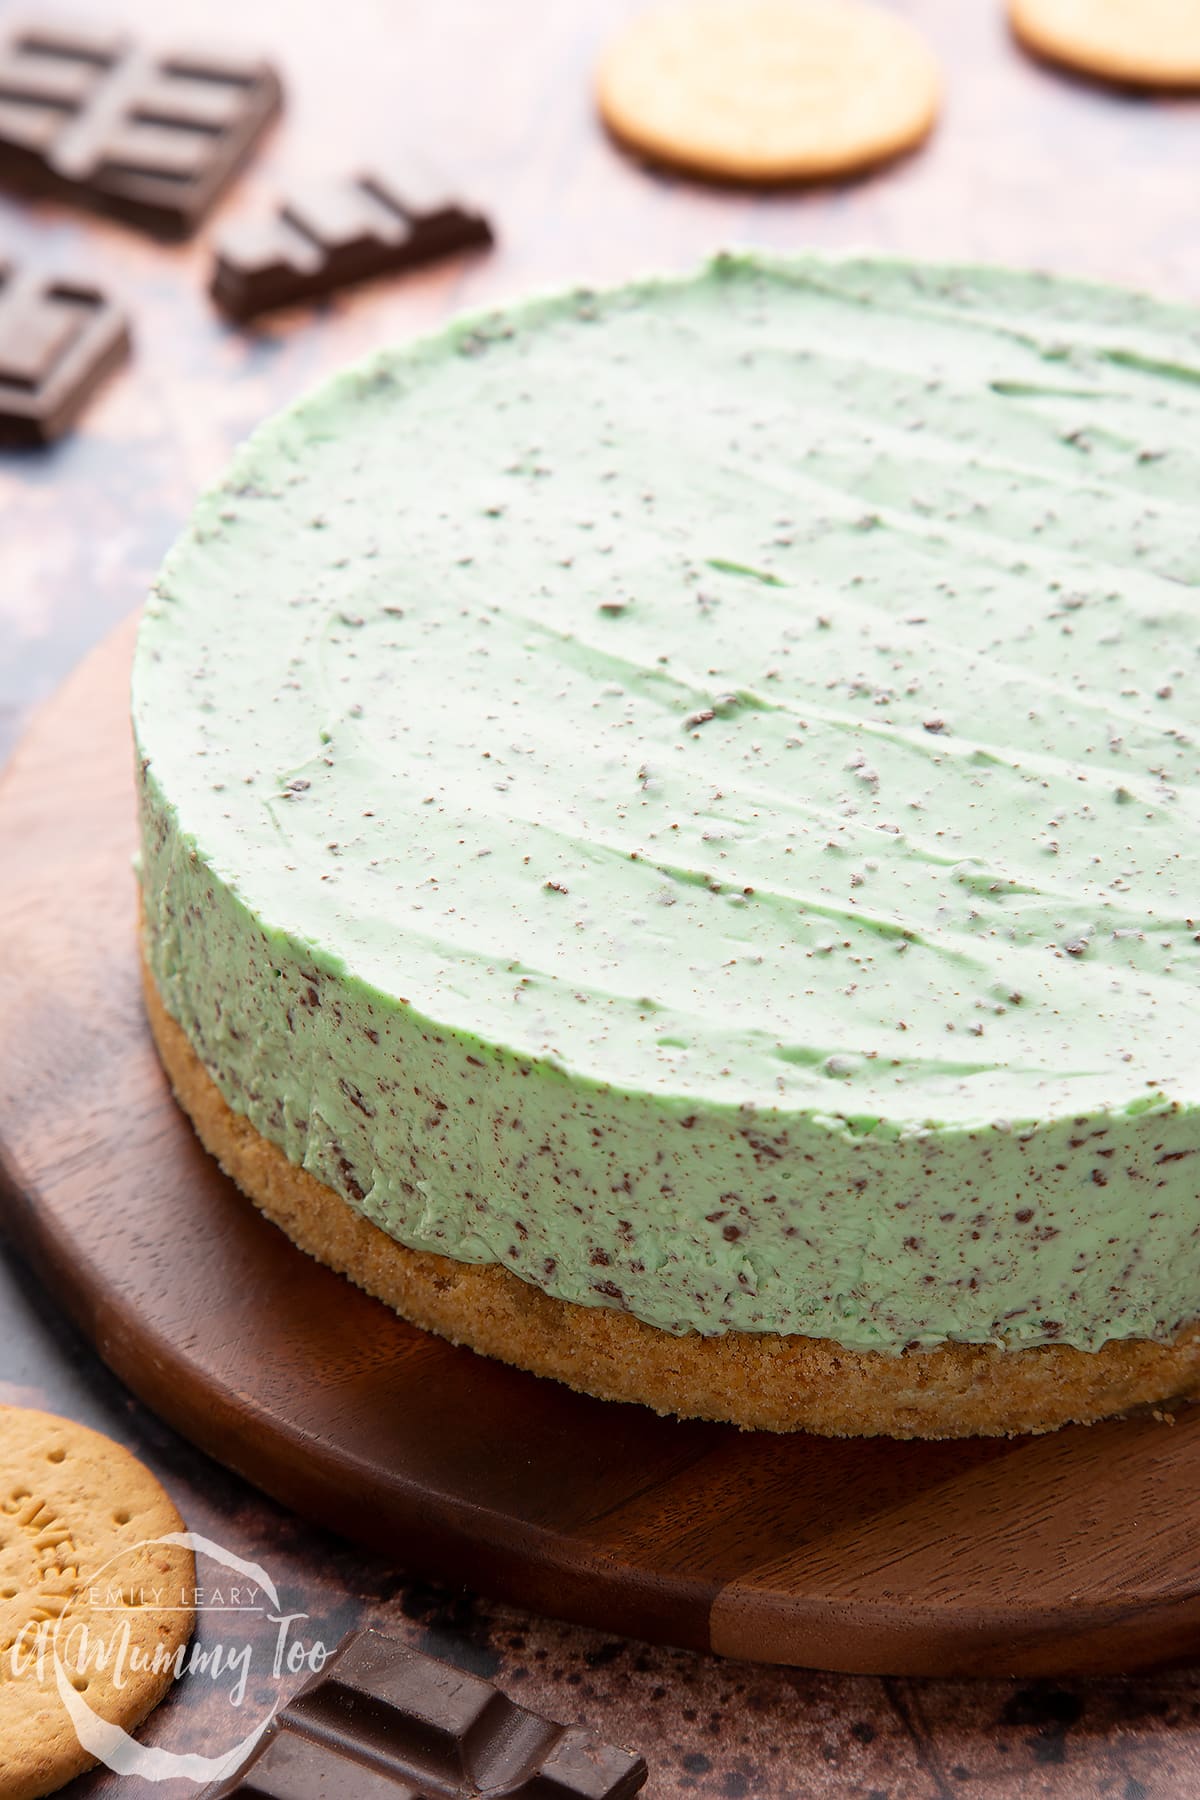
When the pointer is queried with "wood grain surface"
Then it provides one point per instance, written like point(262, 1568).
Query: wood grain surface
point(1027, 166)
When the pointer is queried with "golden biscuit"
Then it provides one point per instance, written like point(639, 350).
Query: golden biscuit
point(1155, 43)
point(769, 90)
point(89, 1595)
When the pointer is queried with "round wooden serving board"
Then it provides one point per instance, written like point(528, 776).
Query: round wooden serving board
point(1077, 1552)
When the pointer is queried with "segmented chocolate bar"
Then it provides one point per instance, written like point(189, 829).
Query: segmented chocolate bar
point(58, 341)
point(383, 1722)
point(149, 137)
point(333, 234)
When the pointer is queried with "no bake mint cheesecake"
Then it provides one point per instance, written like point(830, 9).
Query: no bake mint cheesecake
point(671, 840)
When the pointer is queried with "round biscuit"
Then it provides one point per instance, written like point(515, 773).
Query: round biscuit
point(769, 90)
point(1152, 43)
point(86, 1587)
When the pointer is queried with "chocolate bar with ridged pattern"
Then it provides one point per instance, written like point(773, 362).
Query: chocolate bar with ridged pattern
point(382, 1721)
point(59, 339)
point(150, 137)
point(334, 233)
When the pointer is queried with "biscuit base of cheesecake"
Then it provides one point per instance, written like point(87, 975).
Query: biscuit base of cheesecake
point(759, 1381)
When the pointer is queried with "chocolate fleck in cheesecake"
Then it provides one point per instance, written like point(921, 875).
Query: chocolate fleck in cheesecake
point(671, 840)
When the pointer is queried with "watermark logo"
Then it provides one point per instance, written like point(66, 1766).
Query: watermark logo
point(248, 1633)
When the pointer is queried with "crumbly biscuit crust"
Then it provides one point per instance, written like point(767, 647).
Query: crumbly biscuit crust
point(759, 1382)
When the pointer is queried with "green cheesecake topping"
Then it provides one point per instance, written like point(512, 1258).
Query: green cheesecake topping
point(692, 793)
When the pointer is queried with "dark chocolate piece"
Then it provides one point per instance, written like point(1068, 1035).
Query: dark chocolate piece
point(338, 233)
point(149, 138)
point(58, 340)
point(384, 1722)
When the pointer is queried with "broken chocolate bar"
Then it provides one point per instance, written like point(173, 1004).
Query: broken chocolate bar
point(149, 138)
point(384, 1722)
point(339, 233)
point(58, 340)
